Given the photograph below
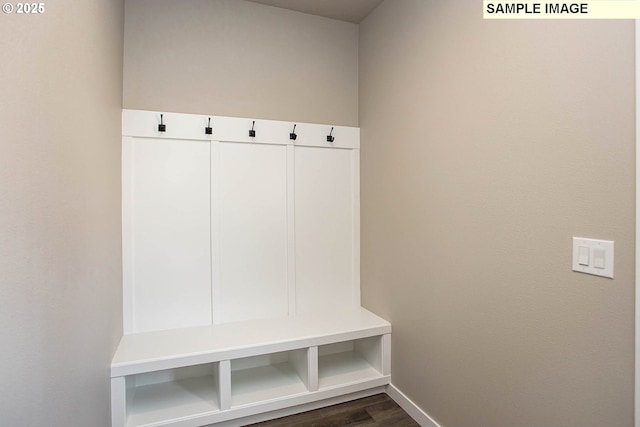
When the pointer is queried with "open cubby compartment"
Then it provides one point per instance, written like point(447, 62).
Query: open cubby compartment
point(225, 374)
point(350, 362)
point(269, 377)
point(154, 398)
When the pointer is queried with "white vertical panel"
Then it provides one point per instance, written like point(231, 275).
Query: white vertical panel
point(215, 228)
point(128, 279)
point(253, 233)
point(291, 241)
point(171, 234)
point(324, 209)
point(355, 187)
point(386, 354)
point(118, 402)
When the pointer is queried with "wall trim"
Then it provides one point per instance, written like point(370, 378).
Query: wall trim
point(411, 408)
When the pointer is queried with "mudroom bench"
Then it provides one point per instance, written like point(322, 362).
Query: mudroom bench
point(242, 372)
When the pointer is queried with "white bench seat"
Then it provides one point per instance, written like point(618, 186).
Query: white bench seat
point(209, 374)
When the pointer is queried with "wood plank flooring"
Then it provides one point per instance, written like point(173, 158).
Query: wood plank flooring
point(378, 410)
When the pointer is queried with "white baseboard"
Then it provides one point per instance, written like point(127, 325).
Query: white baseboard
point(411, 408)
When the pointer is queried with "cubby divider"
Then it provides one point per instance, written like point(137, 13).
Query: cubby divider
point(224, 384)
point(313, 368)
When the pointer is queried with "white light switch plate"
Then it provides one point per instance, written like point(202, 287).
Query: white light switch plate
point(599, 259)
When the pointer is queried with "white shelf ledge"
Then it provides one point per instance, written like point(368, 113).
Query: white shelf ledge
point(175, 400)
point(344, 368)
point(154, 351)
point(265, 383)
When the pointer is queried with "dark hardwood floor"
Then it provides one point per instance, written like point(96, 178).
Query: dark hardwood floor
point(378, 410)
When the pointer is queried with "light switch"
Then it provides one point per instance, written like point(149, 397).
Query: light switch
point(583, 255)
point(599, 257)
point(593, 256)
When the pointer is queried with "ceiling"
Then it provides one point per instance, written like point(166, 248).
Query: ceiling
point(344, 10)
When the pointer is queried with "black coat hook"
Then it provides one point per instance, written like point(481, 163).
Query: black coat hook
point(293, 135)
point(209, 130)
point(329, 137)
point(252, 133)
point(162, 127)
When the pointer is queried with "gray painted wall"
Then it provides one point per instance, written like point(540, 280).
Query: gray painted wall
point(60, 244)
point(487, 145)
point(241, 59)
